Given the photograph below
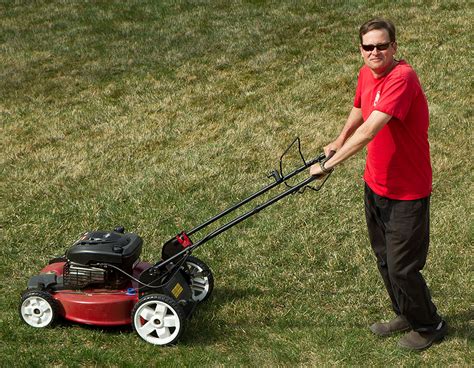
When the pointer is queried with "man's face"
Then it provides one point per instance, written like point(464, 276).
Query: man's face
point(379, 61)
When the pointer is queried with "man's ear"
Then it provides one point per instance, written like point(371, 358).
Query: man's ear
point(394, 45)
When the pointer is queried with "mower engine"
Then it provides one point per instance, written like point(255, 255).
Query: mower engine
point(99, 259)
point(89, 258)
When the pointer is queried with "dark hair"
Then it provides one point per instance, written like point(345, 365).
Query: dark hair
point(378, 23)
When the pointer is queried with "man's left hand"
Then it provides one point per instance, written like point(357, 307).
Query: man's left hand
point(315, 170)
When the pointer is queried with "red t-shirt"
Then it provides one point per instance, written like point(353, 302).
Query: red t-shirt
point(398, 162)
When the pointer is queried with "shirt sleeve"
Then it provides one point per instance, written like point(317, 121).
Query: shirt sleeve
point(396, 97)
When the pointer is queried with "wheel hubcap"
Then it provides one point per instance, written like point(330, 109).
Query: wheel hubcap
point(36, 311)
point(199, 284)
point(157, 323)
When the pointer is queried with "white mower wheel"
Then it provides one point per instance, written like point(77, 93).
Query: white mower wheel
point(158, 319)
point(38, 308)
point(202, 280)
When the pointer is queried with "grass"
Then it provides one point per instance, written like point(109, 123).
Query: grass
point(157, 115)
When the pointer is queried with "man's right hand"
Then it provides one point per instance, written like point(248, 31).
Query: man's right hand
point(333, 146)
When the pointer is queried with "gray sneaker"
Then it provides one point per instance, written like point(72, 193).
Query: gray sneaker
point(398, 324)
point(423, 340)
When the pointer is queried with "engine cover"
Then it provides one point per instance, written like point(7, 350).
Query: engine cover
point(119, 249)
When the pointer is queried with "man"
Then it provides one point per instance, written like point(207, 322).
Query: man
point(390, 117)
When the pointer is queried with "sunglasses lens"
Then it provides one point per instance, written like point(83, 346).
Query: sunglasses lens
point(381, 47)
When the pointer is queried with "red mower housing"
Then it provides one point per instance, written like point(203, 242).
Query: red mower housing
point(100, 307)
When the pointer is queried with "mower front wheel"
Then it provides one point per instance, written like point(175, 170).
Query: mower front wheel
point(158, 319)
point(202, 280)
point(38, 308)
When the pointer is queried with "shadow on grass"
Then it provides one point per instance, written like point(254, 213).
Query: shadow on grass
point(459, 324)
point(205, 328)
point(112, 330)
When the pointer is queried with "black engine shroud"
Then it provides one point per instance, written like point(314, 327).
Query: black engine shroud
point(120, 249)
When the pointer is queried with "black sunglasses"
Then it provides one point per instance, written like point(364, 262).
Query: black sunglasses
point(381, 47)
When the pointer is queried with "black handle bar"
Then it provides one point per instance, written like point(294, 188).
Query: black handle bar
point(279, 179)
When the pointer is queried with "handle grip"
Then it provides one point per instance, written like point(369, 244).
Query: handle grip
point(322, 160)
point(330, 154)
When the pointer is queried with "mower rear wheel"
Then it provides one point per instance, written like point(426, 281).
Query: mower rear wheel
point(202, 280)
point(38, 308)
point(158, 319)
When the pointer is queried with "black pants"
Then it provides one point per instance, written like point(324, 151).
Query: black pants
point(399, 235)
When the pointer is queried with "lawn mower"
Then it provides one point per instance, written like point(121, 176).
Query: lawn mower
point(101, 281)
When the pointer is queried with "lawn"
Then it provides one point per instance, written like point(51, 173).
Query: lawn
point(156, 115)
